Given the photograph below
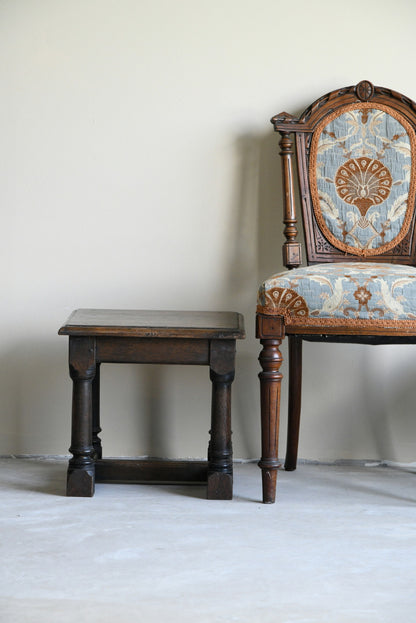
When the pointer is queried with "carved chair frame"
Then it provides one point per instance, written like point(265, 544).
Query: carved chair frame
point(271, 329)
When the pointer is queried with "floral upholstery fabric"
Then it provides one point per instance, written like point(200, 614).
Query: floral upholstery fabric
point(362, 178)
point(346, 293)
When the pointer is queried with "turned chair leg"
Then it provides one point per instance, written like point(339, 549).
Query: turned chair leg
point(295, 388)
point(270, 383)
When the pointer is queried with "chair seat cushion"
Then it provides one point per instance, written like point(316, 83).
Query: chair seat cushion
point(366, 294)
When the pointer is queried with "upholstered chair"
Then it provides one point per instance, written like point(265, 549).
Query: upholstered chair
point(356, 158)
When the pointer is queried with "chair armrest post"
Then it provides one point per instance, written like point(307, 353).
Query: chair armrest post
point(292, 252)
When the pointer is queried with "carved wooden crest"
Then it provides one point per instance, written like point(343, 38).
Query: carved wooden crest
point(364, 90)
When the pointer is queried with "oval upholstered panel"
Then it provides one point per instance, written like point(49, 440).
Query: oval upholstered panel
point(362, 174)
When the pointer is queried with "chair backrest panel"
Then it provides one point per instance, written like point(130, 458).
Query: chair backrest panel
point(356, 155)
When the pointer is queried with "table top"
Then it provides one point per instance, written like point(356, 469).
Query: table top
point(158, 324)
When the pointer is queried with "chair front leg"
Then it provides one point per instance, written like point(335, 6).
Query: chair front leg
point(270, 383)
point(295, 388)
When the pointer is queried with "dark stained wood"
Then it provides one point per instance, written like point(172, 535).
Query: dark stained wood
point(295, 393)
point(150, 470)
point(96, 429)
point(271, 329)
point(220, 473)
point(82, 366)
point(154, 323)
point(170, 350)
point(125, 336)
point(292, 256)
point(220, 470)
point(270, 382)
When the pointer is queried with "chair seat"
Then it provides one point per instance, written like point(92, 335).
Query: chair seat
point(348, 294)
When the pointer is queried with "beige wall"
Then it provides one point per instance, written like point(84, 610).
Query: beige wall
point(139, 169)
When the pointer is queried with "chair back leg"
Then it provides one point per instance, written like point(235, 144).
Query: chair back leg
point(295, 388)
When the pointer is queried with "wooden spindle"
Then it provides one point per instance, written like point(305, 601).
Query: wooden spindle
point(292, 253)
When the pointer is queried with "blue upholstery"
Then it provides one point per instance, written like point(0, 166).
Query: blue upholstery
point(344, 293)
point(360, 171)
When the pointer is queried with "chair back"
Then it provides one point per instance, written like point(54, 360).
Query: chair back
point(356, 162)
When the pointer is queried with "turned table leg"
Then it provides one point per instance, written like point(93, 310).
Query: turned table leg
point(220, 456)
point(96, 429)
point(81, 467)
point(270, 382)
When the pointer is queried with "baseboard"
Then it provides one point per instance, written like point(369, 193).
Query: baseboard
point(411, 467)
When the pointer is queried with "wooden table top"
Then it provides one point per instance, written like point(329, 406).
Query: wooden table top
point(147, 323)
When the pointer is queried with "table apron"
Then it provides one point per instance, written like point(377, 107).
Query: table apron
point(152, 350)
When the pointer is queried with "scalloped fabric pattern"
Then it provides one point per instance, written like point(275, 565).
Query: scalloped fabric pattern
point(350, 291)
point(361, 167)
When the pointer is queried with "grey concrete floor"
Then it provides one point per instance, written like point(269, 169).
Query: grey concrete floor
point(339, 545)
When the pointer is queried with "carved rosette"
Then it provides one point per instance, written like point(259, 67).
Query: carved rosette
point(364, 90)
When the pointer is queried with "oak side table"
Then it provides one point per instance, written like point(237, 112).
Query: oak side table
point(99, 336)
